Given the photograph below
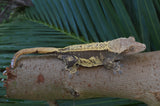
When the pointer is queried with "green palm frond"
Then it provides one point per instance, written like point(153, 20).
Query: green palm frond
point(58, 23)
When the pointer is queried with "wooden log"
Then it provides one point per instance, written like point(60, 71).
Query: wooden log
point(44, 78)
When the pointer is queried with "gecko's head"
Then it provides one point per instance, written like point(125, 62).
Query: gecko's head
point(126, 46)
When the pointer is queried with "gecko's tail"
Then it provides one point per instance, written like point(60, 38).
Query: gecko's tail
point(40, 50)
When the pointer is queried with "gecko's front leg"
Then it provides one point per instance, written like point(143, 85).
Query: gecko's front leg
point(113, 64)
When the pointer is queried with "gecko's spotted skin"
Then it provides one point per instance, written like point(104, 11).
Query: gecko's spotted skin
point(108, 53)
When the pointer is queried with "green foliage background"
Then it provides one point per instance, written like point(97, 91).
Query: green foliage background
point(58, 23)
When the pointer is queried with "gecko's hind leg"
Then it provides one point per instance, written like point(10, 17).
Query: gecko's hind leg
point(71, 63)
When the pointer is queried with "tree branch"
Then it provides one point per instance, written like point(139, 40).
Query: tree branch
point(44, 78)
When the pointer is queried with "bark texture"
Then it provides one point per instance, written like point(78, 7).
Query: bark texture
point(44, 78)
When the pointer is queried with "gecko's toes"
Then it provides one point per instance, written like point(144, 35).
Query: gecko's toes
point(114, 72)
point(77, 73)
point(120, 71)
point(117, 71)
point(70, 75)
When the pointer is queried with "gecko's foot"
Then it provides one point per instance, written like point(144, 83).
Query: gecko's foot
point(113, 66)
point(70, 76)
point(117, 71)
point(77, 73)
point(71, 73)
point(117, 68)
point(72, 70)
point(74, 92)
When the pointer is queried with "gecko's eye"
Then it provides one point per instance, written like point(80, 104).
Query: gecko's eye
point(131, 48)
